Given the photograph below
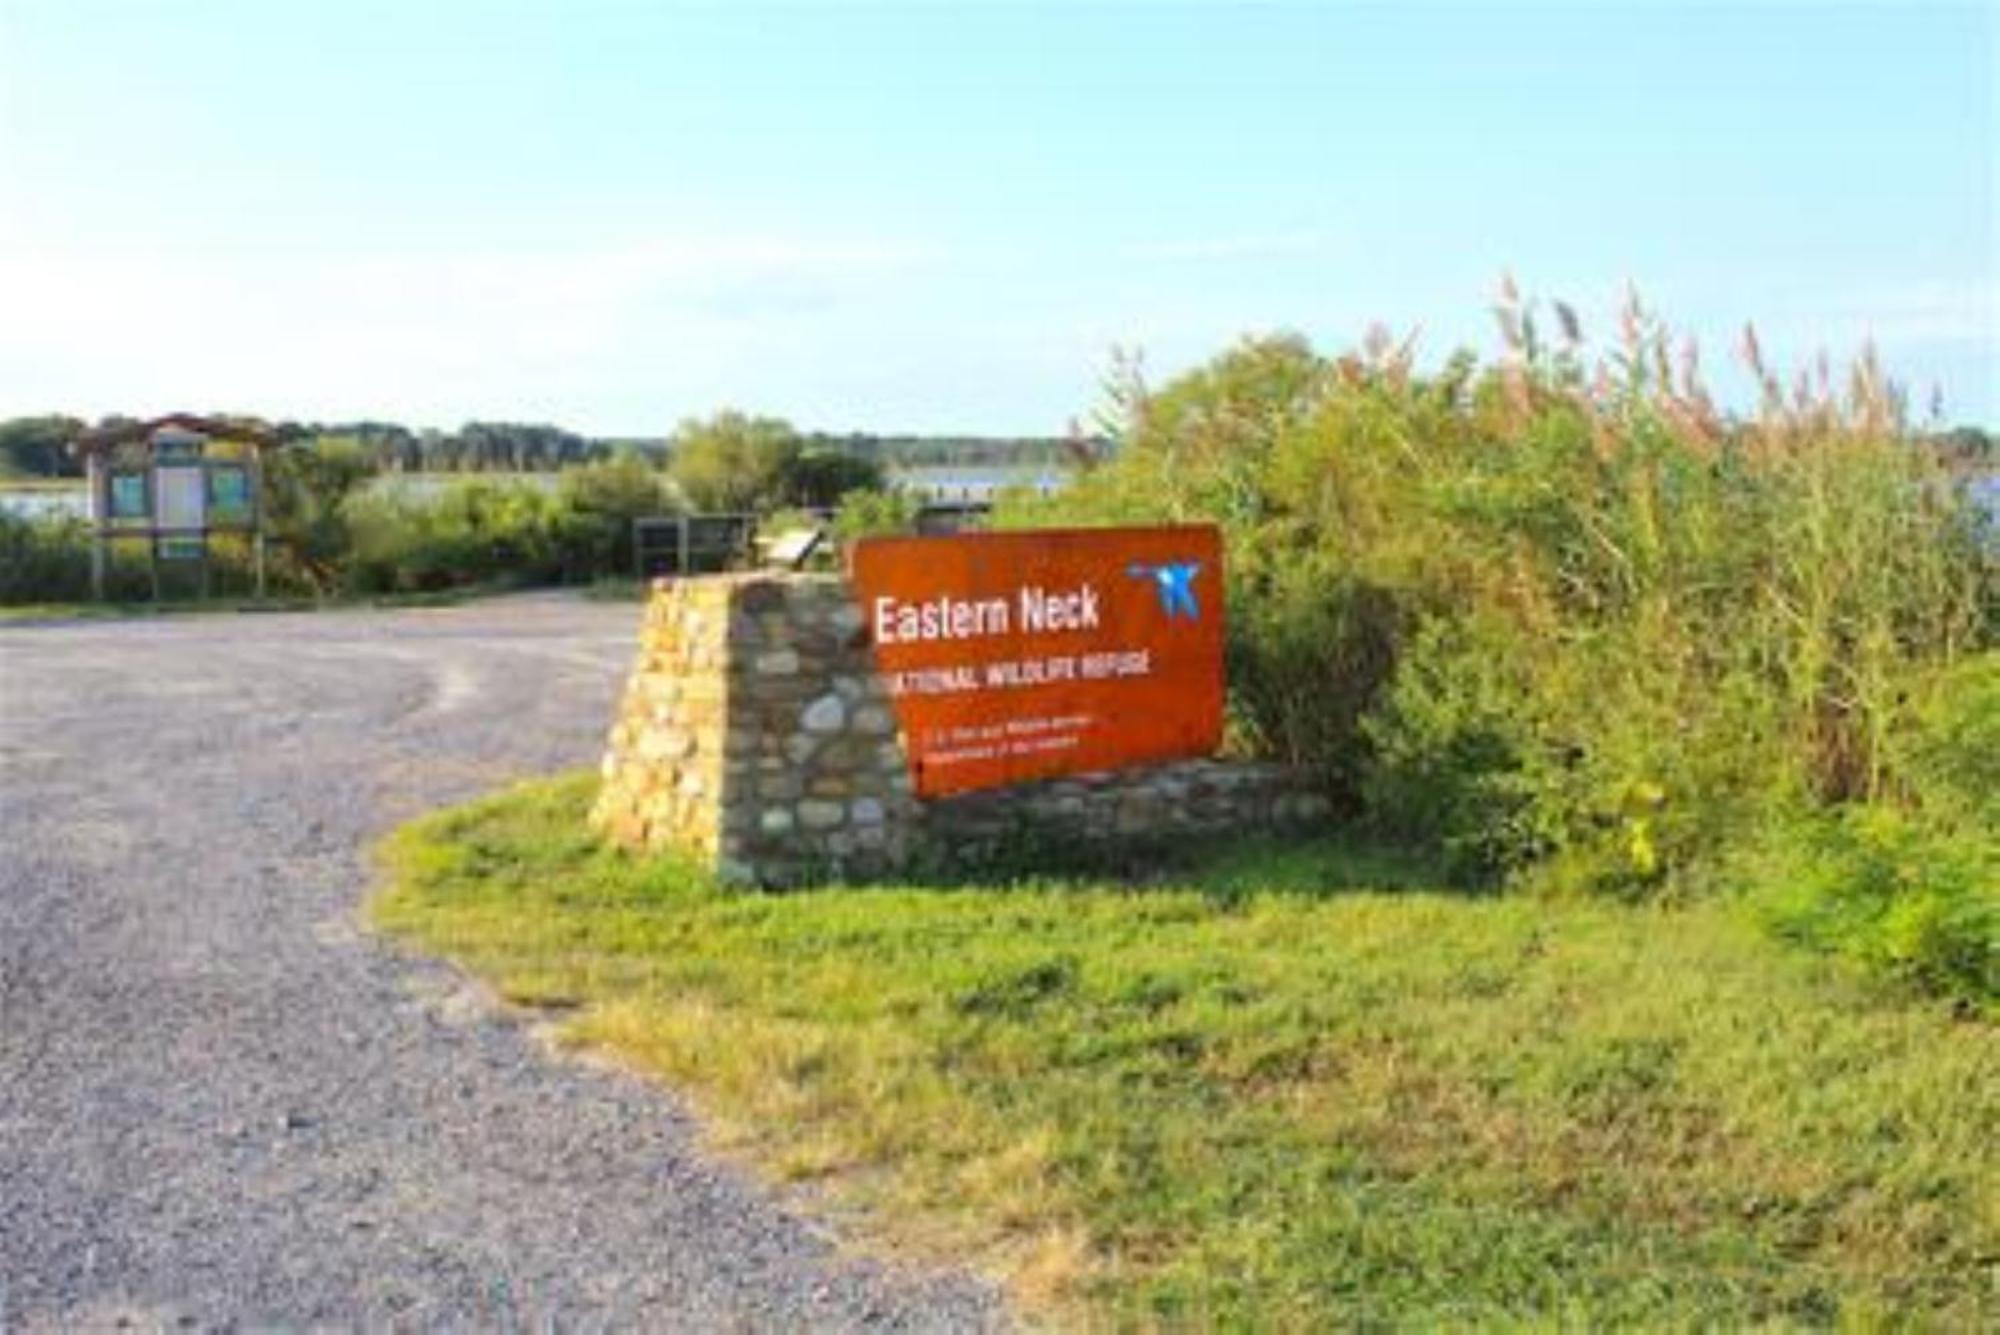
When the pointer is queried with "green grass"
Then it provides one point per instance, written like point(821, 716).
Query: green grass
point(29, 482)
point(68, 611)
point(111, 611)
point(236, 603)
point(1274, 1096)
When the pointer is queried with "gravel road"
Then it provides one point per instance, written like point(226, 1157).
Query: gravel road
point(222, 1105)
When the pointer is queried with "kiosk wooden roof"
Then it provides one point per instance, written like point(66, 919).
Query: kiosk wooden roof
point(105, 438)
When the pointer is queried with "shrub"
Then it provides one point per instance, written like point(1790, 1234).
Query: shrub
point(1910, 886)
point(43, 560)
point(875, 512)
point(602, 500)
point(819, 478)
point(1559, 615)
point(330, 532)
point(306, 492)
point(47, 560)
point(469, 532)
point(1950, 745)
point(1454, 755)
point(1900, 892)
point(733, 462)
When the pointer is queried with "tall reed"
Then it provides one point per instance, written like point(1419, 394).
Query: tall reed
point(1559, 609)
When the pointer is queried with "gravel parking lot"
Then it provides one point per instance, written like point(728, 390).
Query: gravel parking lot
point(223, 1105)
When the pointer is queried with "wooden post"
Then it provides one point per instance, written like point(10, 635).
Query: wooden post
point(100, 516)
point(257, 517)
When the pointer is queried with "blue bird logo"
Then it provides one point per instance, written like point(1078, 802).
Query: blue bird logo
point(1174, 582)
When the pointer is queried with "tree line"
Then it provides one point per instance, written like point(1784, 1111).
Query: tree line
point(42, 446)
point(339, 522)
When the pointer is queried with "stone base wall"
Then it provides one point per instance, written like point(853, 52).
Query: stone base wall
point(1086, 814)
point(756, 736)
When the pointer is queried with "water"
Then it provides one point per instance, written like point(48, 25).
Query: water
point(974, 482)
point(425, 486)
point(1985, 493)
point(46, 504)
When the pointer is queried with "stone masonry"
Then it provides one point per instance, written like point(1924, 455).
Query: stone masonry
point(756, 736)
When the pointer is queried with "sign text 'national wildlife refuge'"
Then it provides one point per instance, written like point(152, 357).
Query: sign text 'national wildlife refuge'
point(1024, 655)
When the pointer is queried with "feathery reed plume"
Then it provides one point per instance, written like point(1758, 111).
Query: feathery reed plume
point(1405, 355)
point(1752, 351)
point(1386, 357)
point(1127, 396)
point(1376, 343)
point(1869, 395)
point(1510, 328)
point(1686, 424)
point(1690, 367)
point(1520, 394)
point(1572, 328)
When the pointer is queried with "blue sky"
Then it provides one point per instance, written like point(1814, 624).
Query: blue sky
point(943, 217)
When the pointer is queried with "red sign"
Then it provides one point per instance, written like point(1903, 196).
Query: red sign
point(1023, 655)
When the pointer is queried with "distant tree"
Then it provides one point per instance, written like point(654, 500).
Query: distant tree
point(602, 499)
point(815, 479)
point(306, 487)
point(1969, 445)
point(870, 513)
point(655, 450)
point(733, 462)
point(39, 447)
point(510, 447)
